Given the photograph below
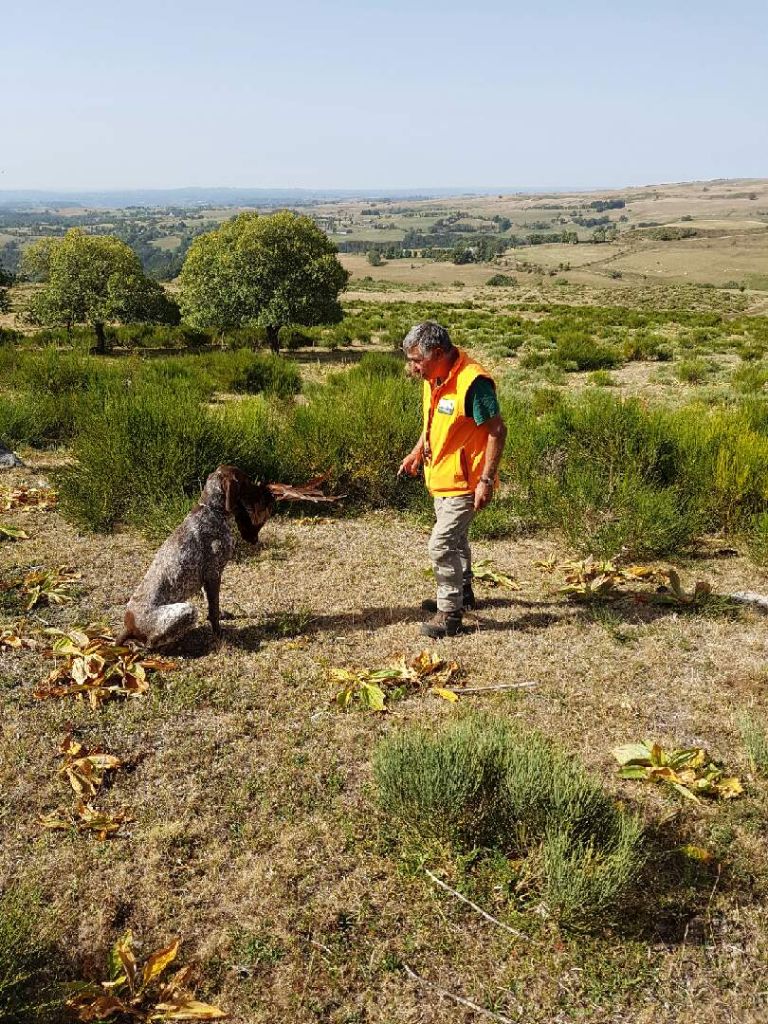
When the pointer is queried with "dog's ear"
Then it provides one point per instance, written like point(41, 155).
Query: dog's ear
point(230, 485)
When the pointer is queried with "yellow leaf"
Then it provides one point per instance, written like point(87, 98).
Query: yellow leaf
point(696, 853)
point(56, 820)
point(187, 1009)
point(729, 788)
point(159, 961)
point(449, 695)
point(124, 953)
point(70, 746)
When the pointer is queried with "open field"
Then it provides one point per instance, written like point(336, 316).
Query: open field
point(635, 387)
point(255, 833)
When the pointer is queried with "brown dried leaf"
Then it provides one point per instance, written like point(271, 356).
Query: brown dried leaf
point(96, 1008)
point(159, 961)
point(187, 1009)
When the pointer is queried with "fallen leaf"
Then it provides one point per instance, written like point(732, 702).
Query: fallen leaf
point(159, 961)
point(12, 533)
point(449, 695)
point(189, 1009)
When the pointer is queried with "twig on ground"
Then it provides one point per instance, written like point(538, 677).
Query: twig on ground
point(497, 688)
point(457, 999)
point(483, 913)
point(759, 601)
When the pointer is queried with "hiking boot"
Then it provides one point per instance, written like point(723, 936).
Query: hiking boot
point(441, 624)
point(469, 601)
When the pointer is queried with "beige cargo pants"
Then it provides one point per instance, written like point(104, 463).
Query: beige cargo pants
point(449, 550)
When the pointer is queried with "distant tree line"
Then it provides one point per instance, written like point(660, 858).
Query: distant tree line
point(607, 204)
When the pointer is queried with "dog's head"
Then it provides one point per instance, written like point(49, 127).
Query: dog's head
point(250, 503)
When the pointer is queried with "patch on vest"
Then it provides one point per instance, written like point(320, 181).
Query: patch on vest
point(446, 405)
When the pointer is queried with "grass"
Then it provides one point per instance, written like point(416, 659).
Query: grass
point(31, 991)
point(755, 739)
point(254, 836)
point(481, 784)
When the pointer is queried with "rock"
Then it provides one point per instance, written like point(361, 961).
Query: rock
point(8, 460)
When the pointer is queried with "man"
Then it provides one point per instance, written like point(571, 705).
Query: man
point(460, 449)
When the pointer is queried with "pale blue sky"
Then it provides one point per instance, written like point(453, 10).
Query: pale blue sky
point(340, 94)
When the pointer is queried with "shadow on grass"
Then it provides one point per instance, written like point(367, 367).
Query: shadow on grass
point(536, 615)
point(673, 899)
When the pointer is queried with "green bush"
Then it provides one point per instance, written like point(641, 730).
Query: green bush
point(357, 430)
point(695, 370)
point(30, 991)
point(147, 448)
point(35, 420)
point(379, 365)
point(576, 350)
point(641, 346)
point(755, 739)
point(266, 373)
point(750, 377)
point(602, 379)
point(482, 783)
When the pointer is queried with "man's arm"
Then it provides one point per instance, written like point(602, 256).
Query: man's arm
point(411, 463)
point(494, 447)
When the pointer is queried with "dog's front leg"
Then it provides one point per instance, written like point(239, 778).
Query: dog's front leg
point(211, 588)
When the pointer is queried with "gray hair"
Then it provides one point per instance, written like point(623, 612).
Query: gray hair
point(428, 337)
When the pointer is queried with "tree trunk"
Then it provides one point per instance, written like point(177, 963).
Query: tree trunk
point(101, 339)
point(273, 338)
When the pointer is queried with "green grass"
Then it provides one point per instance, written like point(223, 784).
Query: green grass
point(755, 739)
point(30, 992)
point(480, 783)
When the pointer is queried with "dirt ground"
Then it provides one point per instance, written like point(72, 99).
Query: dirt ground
point(255, 833)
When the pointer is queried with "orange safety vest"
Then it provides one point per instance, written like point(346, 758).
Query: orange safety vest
point(455, 443)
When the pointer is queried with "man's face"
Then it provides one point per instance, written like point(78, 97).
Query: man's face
point(422, 366)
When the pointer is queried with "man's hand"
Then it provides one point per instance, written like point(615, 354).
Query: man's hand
point(410, 464)
point(483, 494)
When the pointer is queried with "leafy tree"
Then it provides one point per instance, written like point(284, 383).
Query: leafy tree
point(92, 279)
point(265, 271)
point(5, 302)
point(374, 257)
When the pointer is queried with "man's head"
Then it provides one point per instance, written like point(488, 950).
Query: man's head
point(429, 351)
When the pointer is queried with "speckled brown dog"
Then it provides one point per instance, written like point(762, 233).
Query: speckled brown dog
point(194, 557)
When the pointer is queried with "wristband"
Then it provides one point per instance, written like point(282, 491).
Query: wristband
point(486, 480)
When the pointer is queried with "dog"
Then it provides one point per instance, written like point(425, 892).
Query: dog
point(194, 557)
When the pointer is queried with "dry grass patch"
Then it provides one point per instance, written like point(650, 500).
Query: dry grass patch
point(254, 834)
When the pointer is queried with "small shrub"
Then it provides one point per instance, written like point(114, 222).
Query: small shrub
point(25, 419)
point(501, 281)
point(602, 379)
point(755, 739)
point(379, 365)
point(757, 538)
point(480, 783)
point(643, 346)
point(750, 378)
point(583, 881)
point(30, 992)
point(354, 429)
point(267, 373)
point(694, 371)
point(581, 352)
point(149, 447)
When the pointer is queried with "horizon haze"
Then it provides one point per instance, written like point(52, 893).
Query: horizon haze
point(346, 97)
